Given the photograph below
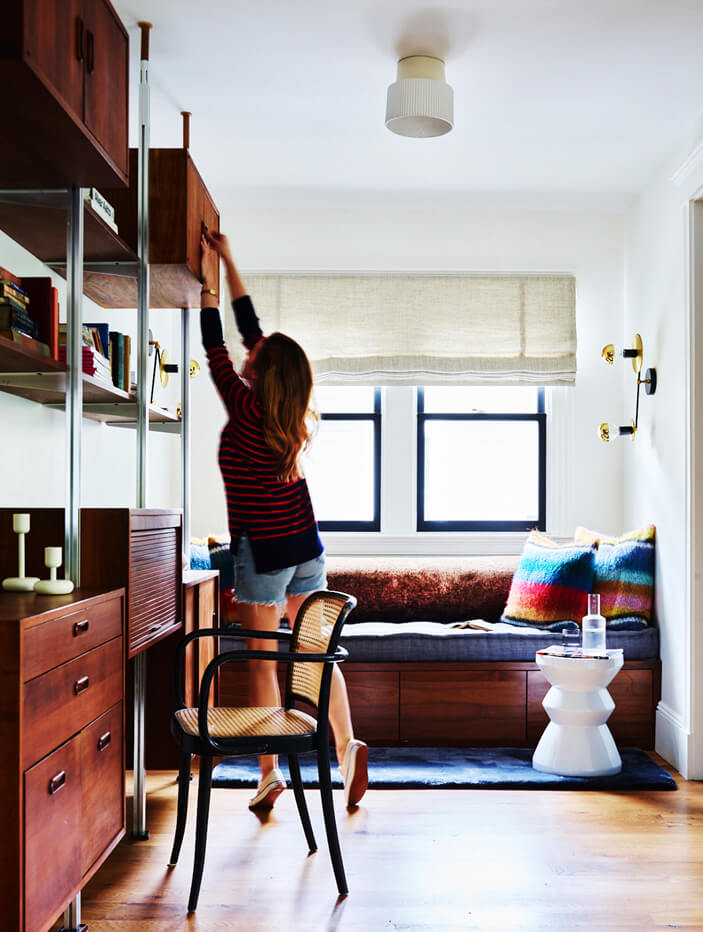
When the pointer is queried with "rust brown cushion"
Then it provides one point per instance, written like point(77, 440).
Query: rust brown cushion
point(396, 589)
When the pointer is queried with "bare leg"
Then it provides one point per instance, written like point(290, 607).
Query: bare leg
point(263, 680)
point(340, 714)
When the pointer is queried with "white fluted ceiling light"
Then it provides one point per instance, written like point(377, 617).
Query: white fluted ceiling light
point(420, 103)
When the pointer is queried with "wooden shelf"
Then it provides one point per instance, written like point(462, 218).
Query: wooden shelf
point(14, 357)
point(38, 222)
point(43, 380)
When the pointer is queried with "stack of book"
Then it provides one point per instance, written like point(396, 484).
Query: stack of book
point(14, 306)
point(94, 360)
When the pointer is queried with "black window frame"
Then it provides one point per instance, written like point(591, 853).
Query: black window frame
point(539, 416)
point(375, 418)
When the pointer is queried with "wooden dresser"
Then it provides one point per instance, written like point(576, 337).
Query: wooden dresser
point(61, 748)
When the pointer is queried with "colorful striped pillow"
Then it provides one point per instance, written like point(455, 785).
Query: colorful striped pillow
point(551, 584)
point(624, 572)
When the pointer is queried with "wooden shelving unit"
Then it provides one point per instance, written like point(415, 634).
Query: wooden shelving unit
point(39, 378)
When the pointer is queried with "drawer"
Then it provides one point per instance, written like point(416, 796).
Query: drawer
point(481, 707)
point(154, 585)
point(102, 785)
point(52, 830)
point(58, 704)
point(46, 646)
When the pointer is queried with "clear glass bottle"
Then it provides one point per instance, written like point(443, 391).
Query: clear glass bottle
point(593, 627)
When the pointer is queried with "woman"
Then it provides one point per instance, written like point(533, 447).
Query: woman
point(279, 557)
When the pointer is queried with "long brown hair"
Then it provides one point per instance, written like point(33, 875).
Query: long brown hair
point(284, 385)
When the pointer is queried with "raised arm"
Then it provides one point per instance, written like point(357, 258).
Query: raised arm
point(244, 313)
point(232, 390)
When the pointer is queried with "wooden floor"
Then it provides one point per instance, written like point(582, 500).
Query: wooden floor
point(418, 860)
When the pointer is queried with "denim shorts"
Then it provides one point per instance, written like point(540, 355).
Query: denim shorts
point(272, 588)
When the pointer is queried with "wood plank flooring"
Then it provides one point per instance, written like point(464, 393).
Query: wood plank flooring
point(428, 860)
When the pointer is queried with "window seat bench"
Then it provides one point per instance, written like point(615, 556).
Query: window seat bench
point(414, 678)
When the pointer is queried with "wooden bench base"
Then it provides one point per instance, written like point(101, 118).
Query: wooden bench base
point(470, 704)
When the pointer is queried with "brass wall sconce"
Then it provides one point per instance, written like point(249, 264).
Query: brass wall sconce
point(635, 352)
point(164, 367)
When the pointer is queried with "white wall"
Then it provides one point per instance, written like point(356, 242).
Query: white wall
point(657, 466)
point(589, 245)
point(33, 438)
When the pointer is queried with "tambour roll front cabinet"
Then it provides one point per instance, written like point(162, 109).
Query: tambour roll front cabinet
point(61, 748)
point(140, 549)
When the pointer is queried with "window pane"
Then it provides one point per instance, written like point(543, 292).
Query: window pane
point(468, 399)
point(345, 399)
point(481, 471)
point(340, 471)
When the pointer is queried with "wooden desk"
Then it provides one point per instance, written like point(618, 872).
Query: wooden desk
point(62, 794)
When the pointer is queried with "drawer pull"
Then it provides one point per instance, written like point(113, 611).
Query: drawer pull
point(80, 627)
point(57, 782)
point(154, 628)
point(80, 685)
point(104, 740)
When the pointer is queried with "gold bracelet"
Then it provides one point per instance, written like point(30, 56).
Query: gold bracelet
point(208, 291)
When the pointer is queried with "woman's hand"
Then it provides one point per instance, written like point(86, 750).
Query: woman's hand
point(205, 263)
point(219, 243)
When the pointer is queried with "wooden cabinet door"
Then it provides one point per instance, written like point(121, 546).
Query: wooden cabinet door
point(54, 46)
point(52, 831)
point(200, 211)
point(102, 785)
point(106, 80)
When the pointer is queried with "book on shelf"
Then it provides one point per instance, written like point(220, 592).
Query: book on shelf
point(92, 363)
point(10, 290)
point(25, 341)
point(125, 371)
point(101, 207)
point(6, 276)
point(12, 319)
point(44, 308)
point(7, 300)
point(101, 337)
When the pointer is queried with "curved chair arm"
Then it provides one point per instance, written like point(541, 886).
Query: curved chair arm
point(283, 634)
point(235, 655)
point(280, 635)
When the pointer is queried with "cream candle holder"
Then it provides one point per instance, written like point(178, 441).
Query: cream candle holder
point(53, 558)
point(20, 583)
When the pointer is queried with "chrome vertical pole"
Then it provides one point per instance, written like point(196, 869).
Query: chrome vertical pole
point(72, 917)
point(74, 427)
point(74, 387)
point(185, 429)
point(139, 800)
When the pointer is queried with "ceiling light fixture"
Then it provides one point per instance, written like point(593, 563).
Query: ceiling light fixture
point(420, 103)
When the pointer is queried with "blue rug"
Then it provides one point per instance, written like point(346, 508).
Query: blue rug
point(460, 768)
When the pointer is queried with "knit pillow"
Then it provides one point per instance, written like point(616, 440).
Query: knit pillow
point(551, 584)
point(624, 574)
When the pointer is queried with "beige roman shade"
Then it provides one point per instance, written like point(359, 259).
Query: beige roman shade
point(423, 329)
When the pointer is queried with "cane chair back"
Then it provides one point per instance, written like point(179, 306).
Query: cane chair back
point(317, 629)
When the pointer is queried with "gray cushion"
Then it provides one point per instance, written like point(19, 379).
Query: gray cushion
point(418, 641)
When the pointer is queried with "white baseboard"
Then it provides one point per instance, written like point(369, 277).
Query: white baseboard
point(672, 739)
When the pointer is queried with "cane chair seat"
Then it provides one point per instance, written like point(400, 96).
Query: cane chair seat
point(248, 722)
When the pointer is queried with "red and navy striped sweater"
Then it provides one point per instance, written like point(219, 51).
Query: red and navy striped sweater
point(277, 516)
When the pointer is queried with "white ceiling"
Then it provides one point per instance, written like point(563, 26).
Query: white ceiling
point(553, 98)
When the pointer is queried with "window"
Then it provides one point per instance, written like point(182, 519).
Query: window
point(343, 467)
point(481, 458)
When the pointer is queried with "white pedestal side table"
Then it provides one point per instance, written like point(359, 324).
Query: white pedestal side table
point(577, 742)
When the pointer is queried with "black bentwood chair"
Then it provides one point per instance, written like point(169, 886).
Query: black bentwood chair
point(210, 732)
